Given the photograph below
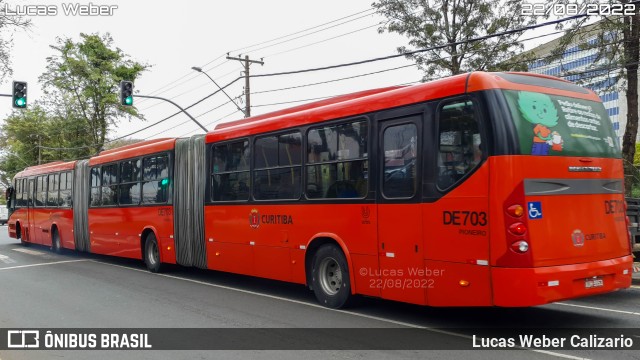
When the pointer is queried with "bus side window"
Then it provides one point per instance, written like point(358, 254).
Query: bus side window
point(277, 161)
point(41, 190)
point(230, 178)
point(155, 179)
point(459, 142)
point(400, 153)
point(96, 182)
point(52, 195)
point(337, 161)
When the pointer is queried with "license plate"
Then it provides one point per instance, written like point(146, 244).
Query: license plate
point(593, 283)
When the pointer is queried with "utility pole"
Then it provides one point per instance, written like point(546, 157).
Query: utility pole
point(247, 62)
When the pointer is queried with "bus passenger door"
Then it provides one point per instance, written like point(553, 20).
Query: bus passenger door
point(31, 224)
point(400, 242)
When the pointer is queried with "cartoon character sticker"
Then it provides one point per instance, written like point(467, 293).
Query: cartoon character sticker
point(539, 110)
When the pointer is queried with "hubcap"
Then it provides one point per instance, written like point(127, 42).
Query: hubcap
point(330, 276)
point(153, 253)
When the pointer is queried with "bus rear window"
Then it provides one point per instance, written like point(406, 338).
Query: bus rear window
point(561, 126)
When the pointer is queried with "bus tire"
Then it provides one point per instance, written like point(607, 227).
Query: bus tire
point(152, 253)
point(330, 277)
point(19, 235)
point(56, 245)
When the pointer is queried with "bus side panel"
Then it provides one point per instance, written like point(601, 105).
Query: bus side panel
point(42, 225)
point(63, 219)
point(456, 233)
point(274, 238)
point(116, 231)
point(457, 284)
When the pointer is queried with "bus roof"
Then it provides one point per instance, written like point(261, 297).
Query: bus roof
point(134, 150)
point(386, 98)
point(51, 167)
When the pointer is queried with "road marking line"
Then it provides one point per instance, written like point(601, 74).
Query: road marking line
point(27, 251)
point(635, 286)
point(318, 306)
point(5, 259)
point(41, 264)
point(599, 308)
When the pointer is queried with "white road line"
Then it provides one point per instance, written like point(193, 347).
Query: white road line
point(41, 264)
point(599, 308)
point(5, 259)
point(27, 251)
point(635, 287)
point(551, 353)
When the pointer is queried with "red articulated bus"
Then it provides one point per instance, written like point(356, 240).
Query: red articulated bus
point(482, 189)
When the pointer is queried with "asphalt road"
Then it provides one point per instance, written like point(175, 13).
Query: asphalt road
point(39, 289)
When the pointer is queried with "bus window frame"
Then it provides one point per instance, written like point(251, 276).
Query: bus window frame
point(381, 125)
point(482, 127)
point(302, 164)
point(170, 161)
point(209, 172)
point(335, 123)
point(169, 201)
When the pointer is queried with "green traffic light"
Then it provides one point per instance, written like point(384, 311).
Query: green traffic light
point(128, 100)
point(164, 182)
point(21, 102)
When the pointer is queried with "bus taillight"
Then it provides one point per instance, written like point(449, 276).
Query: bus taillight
point(515, 210)
point(518, 249)
point(518, 229)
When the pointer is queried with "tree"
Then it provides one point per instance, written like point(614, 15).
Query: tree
point(8, 25)
point(20, 135)
point(616, 46)
point(82, 80)
point(446, 25)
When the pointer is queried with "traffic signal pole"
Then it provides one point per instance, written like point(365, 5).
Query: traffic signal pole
point(176, 105)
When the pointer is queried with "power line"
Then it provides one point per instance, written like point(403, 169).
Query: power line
point(302, 31)
point(437, 47)
point(157, 91)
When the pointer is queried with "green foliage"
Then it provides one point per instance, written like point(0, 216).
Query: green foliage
point(81, 105)
point(8, 25)
point(34, 133)
point(446, 24)
point(83, 78)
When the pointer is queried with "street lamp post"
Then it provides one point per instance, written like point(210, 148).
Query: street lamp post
point(198, 69)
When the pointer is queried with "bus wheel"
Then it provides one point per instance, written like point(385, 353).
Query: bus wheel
point(56, 246)
point(20, 236)
point(152, 253)
point(330, 277)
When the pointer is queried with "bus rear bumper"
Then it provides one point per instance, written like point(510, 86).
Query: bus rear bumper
point(516, 287)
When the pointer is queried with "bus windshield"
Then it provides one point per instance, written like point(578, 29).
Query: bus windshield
point(561, 126)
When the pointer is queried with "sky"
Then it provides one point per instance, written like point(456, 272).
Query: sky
point(173, 36)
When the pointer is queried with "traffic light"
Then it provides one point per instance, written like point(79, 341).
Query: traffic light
point(126, 93)
point(19, 94)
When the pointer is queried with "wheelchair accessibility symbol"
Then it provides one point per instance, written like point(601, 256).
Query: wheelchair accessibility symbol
point(535, 210)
